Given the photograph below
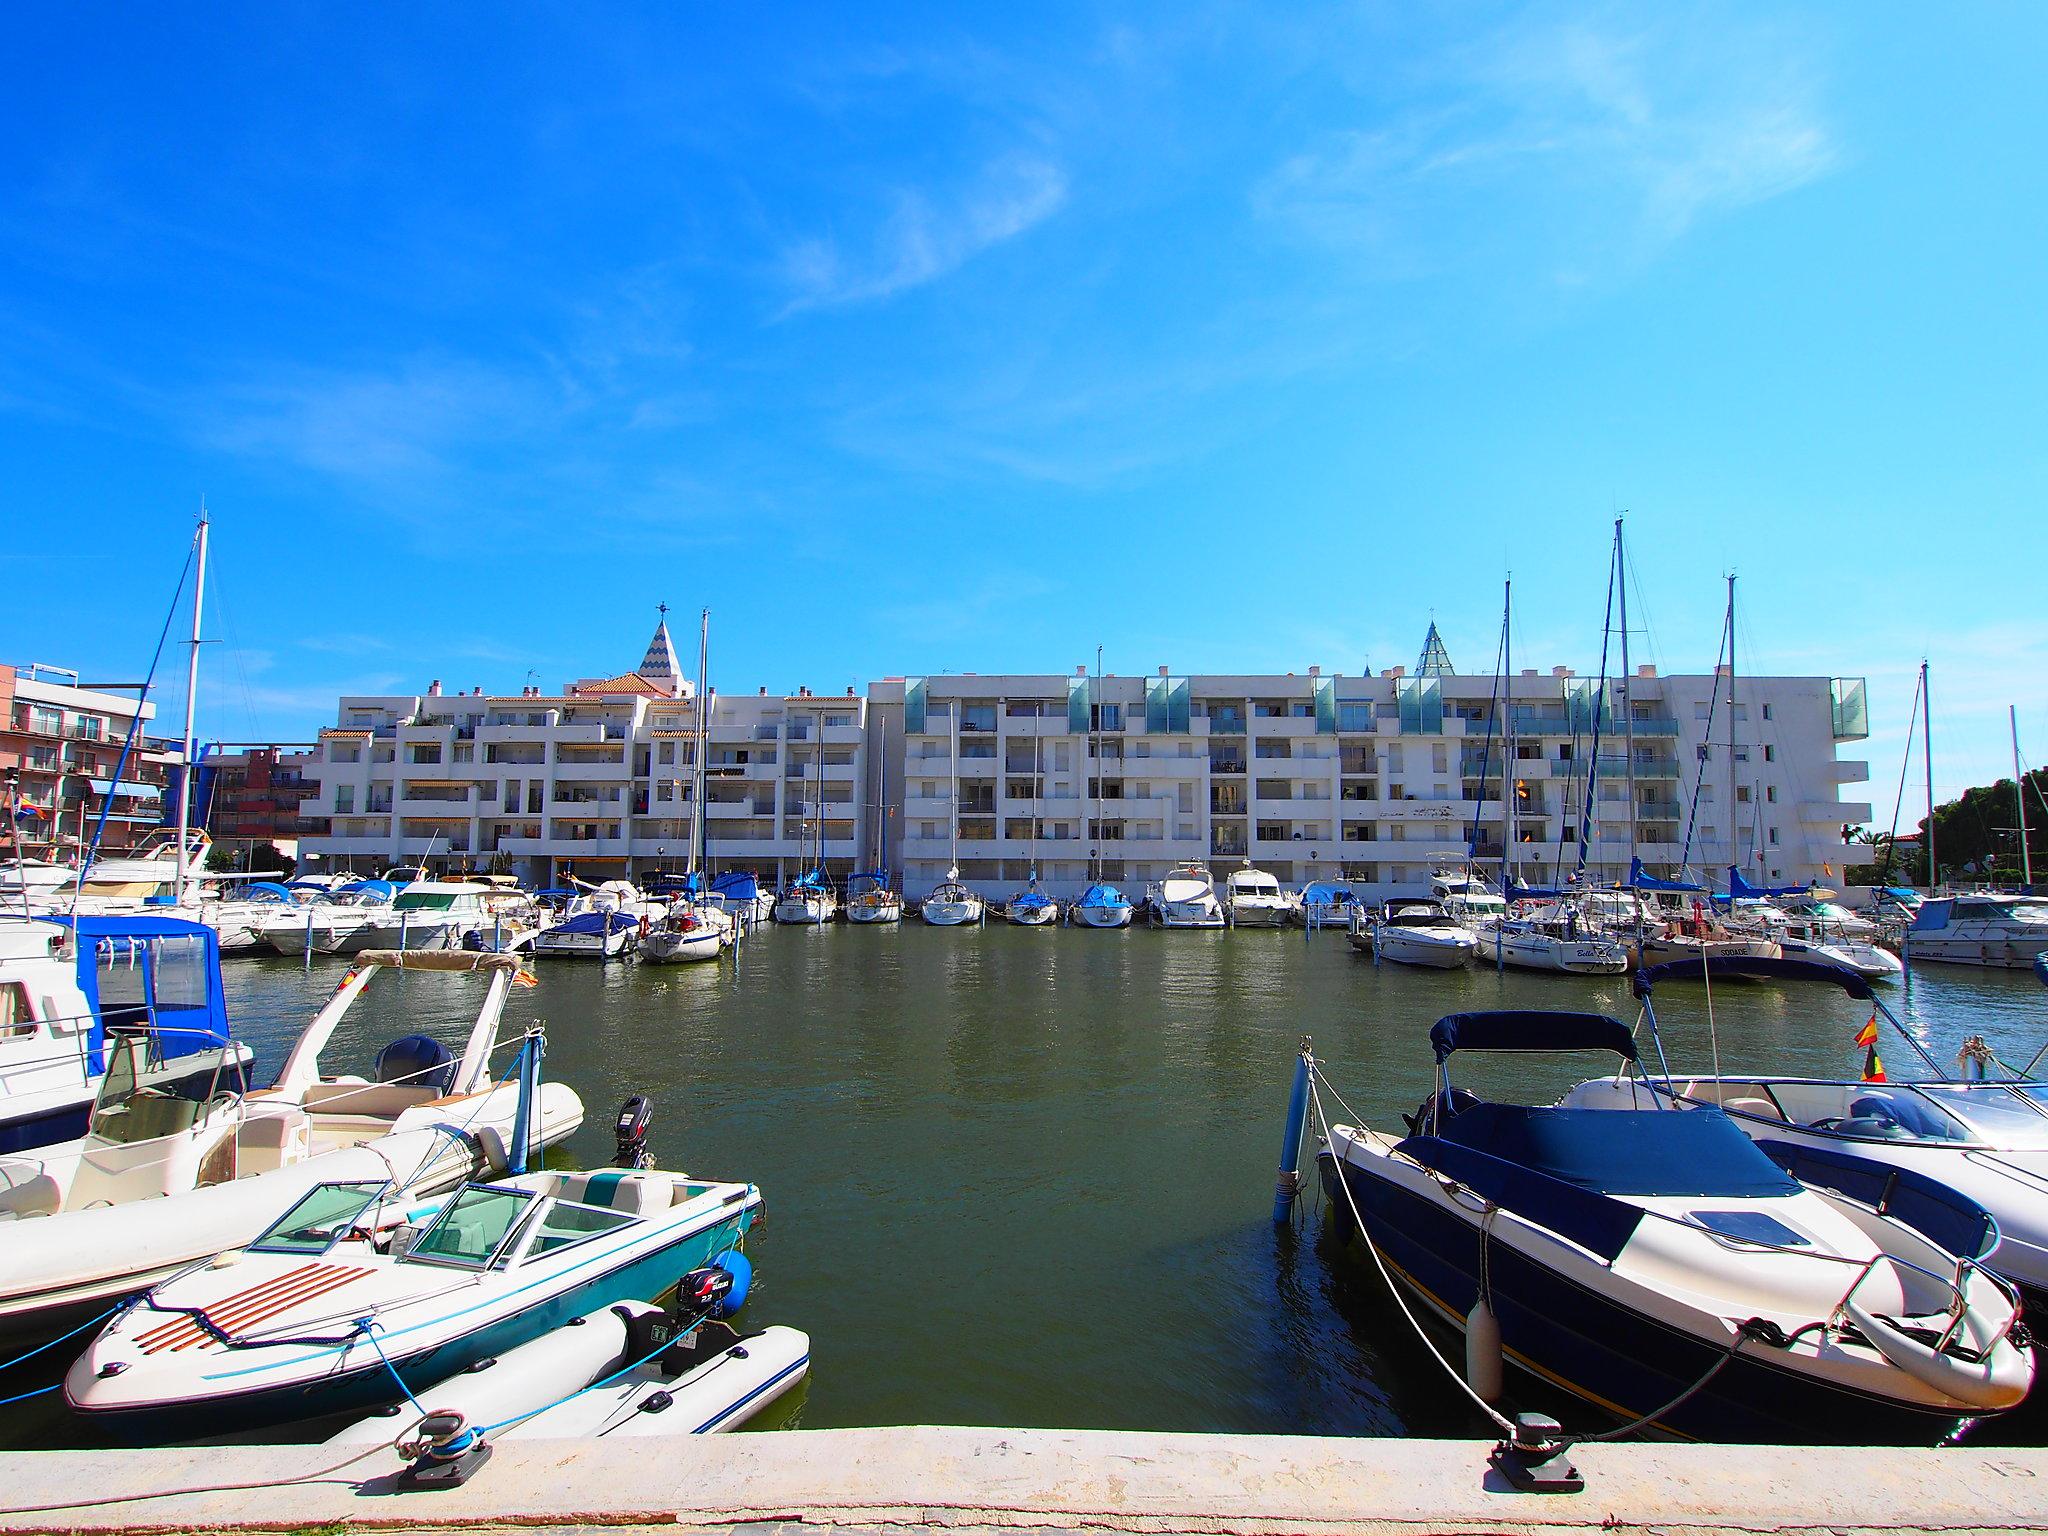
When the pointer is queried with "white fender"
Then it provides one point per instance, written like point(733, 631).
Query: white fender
point(1992, 1384)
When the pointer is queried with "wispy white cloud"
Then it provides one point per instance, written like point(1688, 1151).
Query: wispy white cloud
point(1560, 138)
point(922, 238)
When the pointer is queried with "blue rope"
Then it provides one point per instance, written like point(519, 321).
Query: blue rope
point(368, 1329)
point(25, 1396)
point(74, 1333)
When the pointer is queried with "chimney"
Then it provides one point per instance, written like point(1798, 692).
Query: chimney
point(434, 689)
point(1315, 671)
point(1081, 671)
point(1560, 671)
point(1162, 671)
point(1647, 669)
point(764, 690)
point(1528, 672)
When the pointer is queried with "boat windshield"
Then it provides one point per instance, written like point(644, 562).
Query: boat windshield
point(472, 1228)
point(321, 1219)
point(425, 901)
point(1995, 1112)
point(143, 1097)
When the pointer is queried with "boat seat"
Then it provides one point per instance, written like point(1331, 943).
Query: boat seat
point(37, 1196)
point(262, 1141)
point(627, 1191)
point(1762, 1108)
point(376, 1101)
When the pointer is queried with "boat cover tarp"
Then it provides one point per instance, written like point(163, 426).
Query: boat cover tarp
point(1325, 893)
point(1641, 880)
point(1030, 900)
point(595, 922)
point(1101, 895)
point(1750, 967)
point(170, 976)
point(1531, 1029)
point(383, 890)
point(1949, 1220)
point(1740, 889)
point(1688, 1152)
point(267, 890)
point(737, 885)
point(877, 879)
point(1516, 891)
point(1591, 1220)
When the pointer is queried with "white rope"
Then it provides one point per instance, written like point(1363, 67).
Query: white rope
point(1500, 1420)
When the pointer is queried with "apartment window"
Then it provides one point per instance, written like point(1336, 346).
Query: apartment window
point(42, 718)
point(1742, 754)
point(1767, 711)
point(1770, 754)
point(1141, 749)
point(1742, 794)
point(344, 799)
point(665, 752)
point(1771, 793)
point(840, 721)
point(1063, 757)
point(1774, 837)
point(1186, 802)
point(1354, 717)
point(1703, 751)
point(91, 728)
point(977, 717)
point(424, 754)
point(1440, 758)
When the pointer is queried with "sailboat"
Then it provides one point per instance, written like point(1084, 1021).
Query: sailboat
point(694, 928)
point(869, 898)
point(1031, 907)
point(1102, 905)
point(951, 904)
point(809, 900)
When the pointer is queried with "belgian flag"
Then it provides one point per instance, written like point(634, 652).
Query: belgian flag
point(1873, 1067)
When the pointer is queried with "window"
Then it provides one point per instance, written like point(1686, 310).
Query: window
point(563, 1224)
point(1770, 754)
point(16, 1017)
point(1771, 793)
point(321, 1218)
point(1354, 717)
point(344, 799)
point(1767, 711)
point(471, 1228)
point(1774, 837)
point(665, 752)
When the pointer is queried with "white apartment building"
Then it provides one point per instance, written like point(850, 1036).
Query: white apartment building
point(1308, 776)
point(595, 782)
point(1367, 779)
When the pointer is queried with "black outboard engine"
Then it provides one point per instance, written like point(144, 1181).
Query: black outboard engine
point(1448, 1106)
point(417, 1061)
point(630, 1135)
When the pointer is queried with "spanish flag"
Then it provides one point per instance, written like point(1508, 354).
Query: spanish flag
point(1873, 1067)
point(525, 978)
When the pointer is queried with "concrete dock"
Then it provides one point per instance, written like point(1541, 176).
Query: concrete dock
point(971, 1480)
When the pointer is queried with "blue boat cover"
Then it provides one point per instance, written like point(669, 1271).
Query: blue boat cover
point(864, 879)
point(1753, 967)
point(1517, 891)
point(177, 965)
point(810, 880)
point(1593, 1221)
point(1326, 893)
point(1031, 900)
point(737, 885)
point(1937, 1212)
point(1531, 1029)
point(1103, 895)
point(1740, 889)
point(596, 922)
point(382, 889)
point(269, 890)
point(1690, 1152)
point(1639, 880)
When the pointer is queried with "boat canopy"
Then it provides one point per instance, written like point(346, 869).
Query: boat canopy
point(877, 878)
point(1531, 1029)
point(267, 890)
point(737, 884)
point(1516, 891)
point(383, 890)
point(1699, 1152)
point(1327, 893)
point(1740, 889)
point(609, 921)
point(1641, 880)
point(1752, 967)
point(163, 972)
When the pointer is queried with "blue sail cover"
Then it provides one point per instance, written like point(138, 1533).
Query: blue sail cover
point(1030, 901)
point(1531, 1029)
point(1740, 889)
point(1516, 891)
point(1641, 880)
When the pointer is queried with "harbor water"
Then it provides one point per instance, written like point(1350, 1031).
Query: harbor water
point(1024, 1177)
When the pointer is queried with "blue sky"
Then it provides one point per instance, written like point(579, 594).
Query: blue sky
point(1227, 337)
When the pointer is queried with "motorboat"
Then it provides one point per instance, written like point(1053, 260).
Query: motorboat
point(1985, 928)
point(1031, 907)
point(1100, 906)
point(1984, 1139)
point(870, 900)
point(166, 1176)
point(1818, 907)
point(1414, 930)
point(336, 924)
point(124, 882)
point(807, 901)
point(1324, 904)
point(73, 989)
point(427, 914)
point(1253, 899)
point(1467, 894)
point(951, 904)
point(1659, 1266)
point(30, 884)
point(1813, 938)
point(1697, 934)
point(1184, 897)
point(602, 923)
point(628, 1370)
point(1552, 938)
point(356, 1291)
point(739, 892)
point(238, 918)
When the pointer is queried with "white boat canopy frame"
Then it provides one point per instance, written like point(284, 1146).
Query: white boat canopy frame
point(302, 1068)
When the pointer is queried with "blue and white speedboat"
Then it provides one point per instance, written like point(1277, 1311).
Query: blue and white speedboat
point(1657, 1265)
point(68, 986)
point(1101, 906)
point(352, 1295)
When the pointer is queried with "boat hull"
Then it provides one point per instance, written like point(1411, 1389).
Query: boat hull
point(951, 914)
point(681, 949)
point(1610, 1356)
point(1992, 953)
point(874, 912)
point(1100, 917)
point(1434, 954)
point(1042, 916)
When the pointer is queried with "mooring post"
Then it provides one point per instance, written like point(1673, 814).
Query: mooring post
point(1289, 1184)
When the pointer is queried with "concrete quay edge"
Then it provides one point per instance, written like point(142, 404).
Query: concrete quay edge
point(960, 1480)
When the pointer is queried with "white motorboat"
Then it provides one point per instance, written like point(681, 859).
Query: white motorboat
point(30, 884)
point(951, 904)
point(336, 924)
point(1983, 1139)
point(164, 1178)
point(1981, 928)
point(354, 1289)
point(1100, 906)
point(1466, 893)
point(1552, 938)
point(629, 1370)
point(1253, 899)
point(808, 902)
point(602, 923)
point(1658, 1265)
point(1803, 938)
point(70, 989)
point(239, 917)
point(1185, 897)
point(1414, 930)
point(870, 900)
point(124, 882)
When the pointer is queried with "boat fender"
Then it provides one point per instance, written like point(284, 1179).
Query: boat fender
point(1483, 1369)
point(1997, 1381)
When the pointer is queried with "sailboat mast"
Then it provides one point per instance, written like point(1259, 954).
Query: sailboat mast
point(1628, 702)
point(953, 802)
point(1093, 768)
point(2019, 796)
point(191, 698)
point(1508, 781)
point(1927, 762)
point(698, 841)
point(1734, 836)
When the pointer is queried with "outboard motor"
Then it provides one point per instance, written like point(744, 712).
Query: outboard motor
point(416, 1060)
point(630, 1135)
point(1448, 1106)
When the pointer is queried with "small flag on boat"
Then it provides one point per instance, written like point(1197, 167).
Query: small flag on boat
point(525, 978)
point(1873, 1065)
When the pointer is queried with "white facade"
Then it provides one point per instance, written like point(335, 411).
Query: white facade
point(1367, 779)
